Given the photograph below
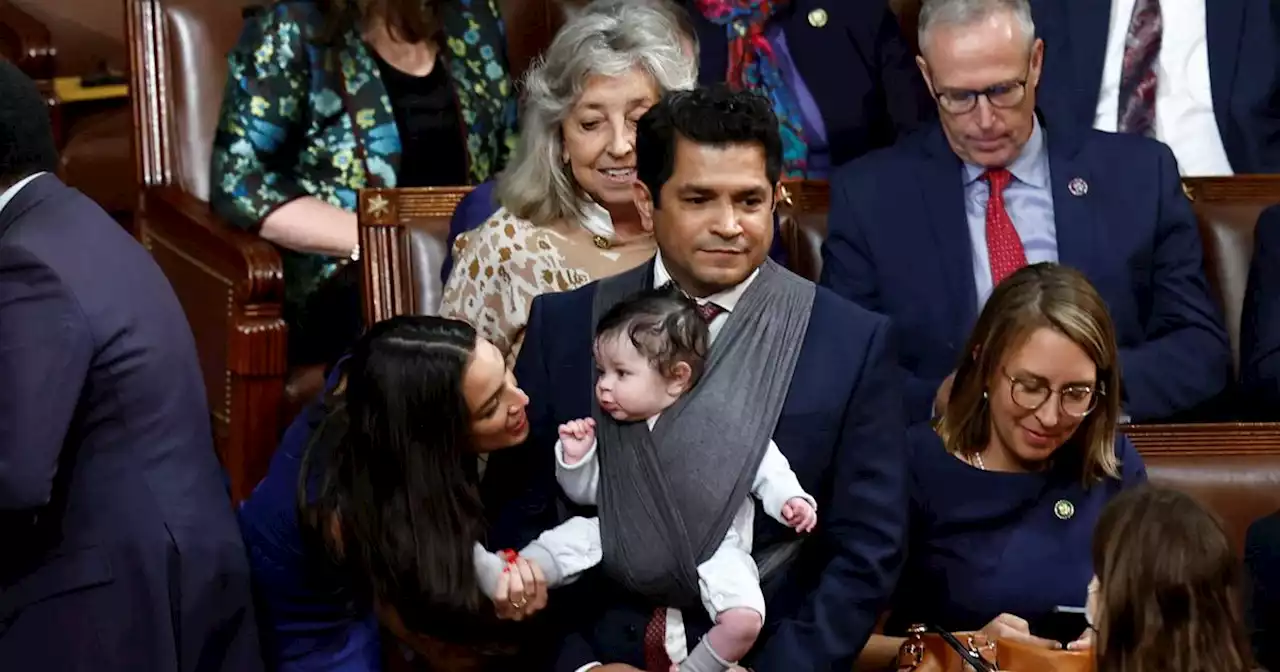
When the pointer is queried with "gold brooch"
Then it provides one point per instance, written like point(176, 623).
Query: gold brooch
point(601, 242)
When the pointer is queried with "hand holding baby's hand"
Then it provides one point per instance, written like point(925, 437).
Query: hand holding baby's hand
point(577, 436)
point(799, 514)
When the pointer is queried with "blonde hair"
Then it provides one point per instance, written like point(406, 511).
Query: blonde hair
point(1041, 296)
point(609, 42)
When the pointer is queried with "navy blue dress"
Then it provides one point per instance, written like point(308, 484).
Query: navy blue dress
point(982, 543)
point(311, 619)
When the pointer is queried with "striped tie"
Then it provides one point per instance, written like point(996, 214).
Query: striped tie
point(1138, 73)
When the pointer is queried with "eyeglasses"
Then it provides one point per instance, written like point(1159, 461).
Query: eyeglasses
point(1076, 401)
point(1003, 96)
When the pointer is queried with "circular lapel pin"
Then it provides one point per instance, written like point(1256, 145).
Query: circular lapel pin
point(1078, 187)
point(818, 18)
point(1064, 510)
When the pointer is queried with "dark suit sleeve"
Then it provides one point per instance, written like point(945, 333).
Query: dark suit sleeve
point(906, 95)
point(848, 270)
point(864, 525)
point(1185, 360)
point(1262, 560)
point(45, 351)
point(1260, 321)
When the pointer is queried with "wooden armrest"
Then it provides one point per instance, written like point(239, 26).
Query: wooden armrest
point(26, 41)
point(239, 265)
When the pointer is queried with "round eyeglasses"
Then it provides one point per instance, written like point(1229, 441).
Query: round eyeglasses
point(1074, 400)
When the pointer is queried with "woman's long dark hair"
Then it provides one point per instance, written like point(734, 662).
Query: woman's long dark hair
point(392, 492)
point(1170, 587)
point(409, 20)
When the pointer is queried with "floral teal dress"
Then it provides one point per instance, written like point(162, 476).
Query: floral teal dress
point(301, 118)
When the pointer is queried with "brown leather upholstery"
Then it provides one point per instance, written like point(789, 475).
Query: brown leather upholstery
point(1232, 468)
point(403, 234)
point(229, 281)
point(1228, 210)
point(908, 13)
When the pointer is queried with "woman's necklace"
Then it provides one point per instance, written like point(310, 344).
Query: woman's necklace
point(976, 460)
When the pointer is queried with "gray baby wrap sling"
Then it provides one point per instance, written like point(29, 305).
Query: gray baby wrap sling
point(668, 496)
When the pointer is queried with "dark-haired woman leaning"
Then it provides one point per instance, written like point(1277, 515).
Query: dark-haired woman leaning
point(384, 531)
point(325, 97)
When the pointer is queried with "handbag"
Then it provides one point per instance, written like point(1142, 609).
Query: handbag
point(926, 651)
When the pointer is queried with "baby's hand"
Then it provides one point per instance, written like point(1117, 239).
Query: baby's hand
point(799, 514)
point(577, 436)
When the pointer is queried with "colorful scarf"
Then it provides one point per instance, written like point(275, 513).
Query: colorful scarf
point(754, 66)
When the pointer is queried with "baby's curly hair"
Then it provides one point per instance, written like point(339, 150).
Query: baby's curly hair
point(665, 328)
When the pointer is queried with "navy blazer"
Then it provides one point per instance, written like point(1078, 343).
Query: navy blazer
point(860, 70)
point(1244, 70)
point(121, 550)
point(1260, 322)
point(1262, 564)
point(898, 243)
point(842, 430)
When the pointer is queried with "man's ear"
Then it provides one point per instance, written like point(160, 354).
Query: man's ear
point(924, 72)
point(779, 193)
point(678, 381)
point(644, 204)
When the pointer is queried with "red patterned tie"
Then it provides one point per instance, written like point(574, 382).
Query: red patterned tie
point(655, 643)
point(709, 311)
point(1137, 113)
point(1004, 247)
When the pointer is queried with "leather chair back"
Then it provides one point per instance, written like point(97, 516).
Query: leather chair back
point(182, 48)
point(531, 24)
point(1231, 468)
point(403, 234)
point(1227, 209)
point(802, 223)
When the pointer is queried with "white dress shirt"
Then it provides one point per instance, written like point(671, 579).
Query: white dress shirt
point(1184, 100)
point(17, 186)
point(676, 638)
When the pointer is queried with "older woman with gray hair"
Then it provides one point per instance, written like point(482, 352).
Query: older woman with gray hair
point(567, 215)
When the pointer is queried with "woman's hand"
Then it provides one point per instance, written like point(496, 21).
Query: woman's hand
point(1008, 626)
point(522, 591)
point(1084, 642)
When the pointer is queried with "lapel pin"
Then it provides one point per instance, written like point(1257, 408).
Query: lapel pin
point(818, 18)
point(1064, 510)
point(1077, 186)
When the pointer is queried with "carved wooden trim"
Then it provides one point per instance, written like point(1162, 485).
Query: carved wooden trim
point(148, 86)
point(1237, 188)
point(1207, 439)
point(383, 214)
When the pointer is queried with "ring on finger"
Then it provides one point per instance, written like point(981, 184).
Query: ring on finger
point(521, 604)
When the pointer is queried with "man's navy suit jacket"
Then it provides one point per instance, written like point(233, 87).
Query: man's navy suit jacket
point(1260, 323)
point(121, 549)
point(898, 243)
point(842, 430)
point(1244, 70)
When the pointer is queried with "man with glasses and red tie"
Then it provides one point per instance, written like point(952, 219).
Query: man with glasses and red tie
point(922, 231)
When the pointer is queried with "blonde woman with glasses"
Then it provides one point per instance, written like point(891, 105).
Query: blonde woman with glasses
point(1007, 486)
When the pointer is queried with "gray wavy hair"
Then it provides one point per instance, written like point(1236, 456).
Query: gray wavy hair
point(607, 38)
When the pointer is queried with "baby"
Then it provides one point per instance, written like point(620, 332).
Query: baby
point(650, 350)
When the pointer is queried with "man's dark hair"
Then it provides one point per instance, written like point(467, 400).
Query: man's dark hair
point(665, 327)
point(712, 115)
point(26, 134)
